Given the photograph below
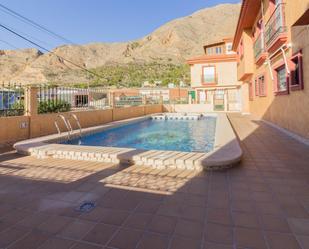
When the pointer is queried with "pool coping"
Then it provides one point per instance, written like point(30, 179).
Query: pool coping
point(226, 151)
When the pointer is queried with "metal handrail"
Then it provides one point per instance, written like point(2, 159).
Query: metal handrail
point(65, 123)
point(77, 122)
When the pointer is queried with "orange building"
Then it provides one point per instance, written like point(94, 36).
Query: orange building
point(214, 78)
point(272, 44)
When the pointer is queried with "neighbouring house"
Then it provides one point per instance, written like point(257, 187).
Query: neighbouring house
point(214, 78)
point(272, 44)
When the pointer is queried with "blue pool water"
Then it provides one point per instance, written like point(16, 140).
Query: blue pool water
point(174, 135)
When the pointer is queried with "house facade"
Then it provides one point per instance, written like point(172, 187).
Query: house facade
point(272, 44)
point(214, 78)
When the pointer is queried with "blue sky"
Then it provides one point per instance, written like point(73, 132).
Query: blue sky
point(84, 21)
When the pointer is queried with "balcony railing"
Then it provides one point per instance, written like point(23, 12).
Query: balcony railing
point(258, 46)
point(275, 25)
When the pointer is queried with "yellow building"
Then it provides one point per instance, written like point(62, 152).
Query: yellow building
point(272, 44)
point(214, 78)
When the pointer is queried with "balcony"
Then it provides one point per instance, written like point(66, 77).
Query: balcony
point(275, 29)
point(259, 49)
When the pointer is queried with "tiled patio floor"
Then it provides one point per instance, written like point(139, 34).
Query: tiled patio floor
point(263, 203)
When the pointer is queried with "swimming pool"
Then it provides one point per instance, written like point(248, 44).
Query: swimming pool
point(149, 134)
point(207, 143)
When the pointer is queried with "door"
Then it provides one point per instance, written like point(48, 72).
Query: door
point(219, 100)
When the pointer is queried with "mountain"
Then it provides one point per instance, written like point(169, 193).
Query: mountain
point(171, 43)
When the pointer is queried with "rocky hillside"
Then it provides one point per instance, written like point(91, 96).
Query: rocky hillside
point(172, 43)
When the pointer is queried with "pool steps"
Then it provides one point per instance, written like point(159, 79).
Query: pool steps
point(152, 158)
point(178, 116)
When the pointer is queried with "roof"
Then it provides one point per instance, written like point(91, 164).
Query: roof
point(248, 12)
point(212, 58)
point(224, 40)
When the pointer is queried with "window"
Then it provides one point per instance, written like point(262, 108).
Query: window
point(229, 47)
point(218, 50)
point(282, 82)
point(209, 50)
point(209, 74)
point(262, 86)
point(297, 72)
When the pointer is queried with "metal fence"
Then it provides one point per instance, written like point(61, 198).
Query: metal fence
point(11, 100)
point(61, 99)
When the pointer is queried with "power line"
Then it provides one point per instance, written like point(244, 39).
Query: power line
point(9, 44)
point(45, 49)
point(33, 23)
point(29, 36)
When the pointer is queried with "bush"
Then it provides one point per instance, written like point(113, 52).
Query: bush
point(51, 106)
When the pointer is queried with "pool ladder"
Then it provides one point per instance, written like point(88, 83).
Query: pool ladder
point(68, 125)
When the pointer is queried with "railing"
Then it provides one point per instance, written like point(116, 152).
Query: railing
point(11, 100)
point(122, 101)
point(61, 99)
point(258, 46)
point(275, 24)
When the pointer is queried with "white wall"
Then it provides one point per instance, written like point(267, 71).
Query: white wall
point(226, 72)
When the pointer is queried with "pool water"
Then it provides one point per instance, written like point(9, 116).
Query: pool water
point(173, 135)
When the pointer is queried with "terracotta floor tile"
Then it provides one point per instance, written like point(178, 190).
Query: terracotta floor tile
point(268, 208)
point(148, 206)
point(245, 220)
point(153, 241)
point(209, 245)
point(34, 220)
point(188, 228)
point(126, 238)
point(220, 216)
point(100, 234)
point(31, 240)
point(249, 238)
point(76, 229)
point(138, 220)
point(85, 246)
point(274, 223)
point(303, 241)
point(57, 243)
point(54, 224)
point(11, 235)
point(14, 216)
point(243, 206)
point(299, 226)
point(114, 217)
point(193, 212)
point(219, 233)
point(162, 224)
point(282, 241)
point(185, 243)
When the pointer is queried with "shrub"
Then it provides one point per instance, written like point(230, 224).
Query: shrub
point(51, 106)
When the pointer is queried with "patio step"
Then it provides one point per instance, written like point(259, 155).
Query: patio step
point(151, 158)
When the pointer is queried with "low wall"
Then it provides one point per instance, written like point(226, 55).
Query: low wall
point(13, 129)
point(198, 108)
point(128, 112)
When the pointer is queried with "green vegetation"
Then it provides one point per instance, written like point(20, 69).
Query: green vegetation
point(133, 75)
point(51, 106)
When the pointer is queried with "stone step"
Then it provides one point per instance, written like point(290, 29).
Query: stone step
point(151, 158)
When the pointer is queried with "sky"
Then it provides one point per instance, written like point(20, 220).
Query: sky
point(85, 21)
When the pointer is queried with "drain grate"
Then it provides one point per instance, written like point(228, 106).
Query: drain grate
point(86, 207)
